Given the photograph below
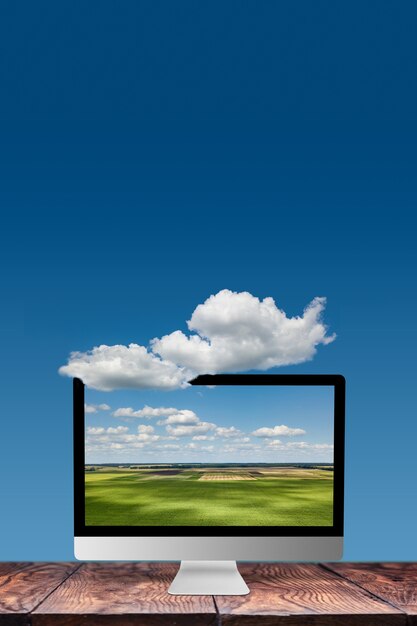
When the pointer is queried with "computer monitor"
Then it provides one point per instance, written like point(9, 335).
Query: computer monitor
point(234, 467)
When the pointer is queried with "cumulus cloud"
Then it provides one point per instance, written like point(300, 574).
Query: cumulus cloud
point(241, 447)
point(178, 423)
point(93, 408)
point(222, 431)
point(274, 443)
point(202, 434)
point(147, 437)
point(99, 430)
point(277, 431)
point(95, 430)
point(117, 429)
point(147, 412)
point(229, 332)
point(298, 446)
point(124, 367)
point(188, 431)
point(237, 332)
point(304, 445)
point(183, 416)
point(143, 428)
point(118, 438)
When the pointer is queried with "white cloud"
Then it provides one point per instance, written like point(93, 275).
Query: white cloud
point(117, 430)
point(277, 431)
point(230, 332)
point(143, 428)
point(235, 446)
point(124, 367)
point(147, 437)
point(299, 447)
point(237, 332)
point(304, 445)
point(93, 408)
point(118, 438)
point(147, 412)
point(189, 431)
point(99, 430)
point(228, 432)
point(183, 416)
point(203, 438)
point(276, 443)
point(95, 430)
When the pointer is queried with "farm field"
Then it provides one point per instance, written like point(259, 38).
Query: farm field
point(209, 496)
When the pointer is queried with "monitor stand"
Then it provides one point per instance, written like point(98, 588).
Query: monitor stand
point(208, 578)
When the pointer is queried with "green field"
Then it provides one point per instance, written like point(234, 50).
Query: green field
point(245, 496)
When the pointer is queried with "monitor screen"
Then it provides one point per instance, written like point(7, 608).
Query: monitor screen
point(210, 456)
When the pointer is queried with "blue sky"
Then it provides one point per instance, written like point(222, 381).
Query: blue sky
point(206, 425)
point(152, 155)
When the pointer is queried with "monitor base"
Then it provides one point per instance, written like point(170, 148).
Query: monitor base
point(208, 578)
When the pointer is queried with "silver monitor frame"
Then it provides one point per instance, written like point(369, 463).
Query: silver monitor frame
point(225, 543)
point(247, 548)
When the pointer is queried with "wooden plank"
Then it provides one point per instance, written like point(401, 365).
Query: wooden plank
point(126, 594)
point(300, 594)
point(394, 582)
point(24, 585)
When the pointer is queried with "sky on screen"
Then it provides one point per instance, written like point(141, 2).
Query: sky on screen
point(212, 425)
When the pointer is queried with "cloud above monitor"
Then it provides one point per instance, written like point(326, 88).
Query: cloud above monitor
point(106, 368)
point(236, 332)
point(229, 332)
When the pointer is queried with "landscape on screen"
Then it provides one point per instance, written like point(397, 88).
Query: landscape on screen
point(223, 456)
point(209, 495)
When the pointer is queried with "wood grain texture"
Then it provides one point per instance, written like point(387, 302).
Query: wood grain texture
point(299, 594)
point(135, 594)
point(24, 585)
point(394, 582)
point(126, 594)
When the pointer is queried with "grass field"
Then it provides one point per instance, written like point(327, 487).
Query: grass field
point(239, 496)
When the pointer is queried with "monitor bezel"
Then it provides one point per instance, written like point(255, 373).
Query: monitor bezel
point(329, 380)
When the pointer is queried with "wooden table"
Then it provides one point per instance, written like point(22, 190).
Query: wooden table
point(135, 594)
